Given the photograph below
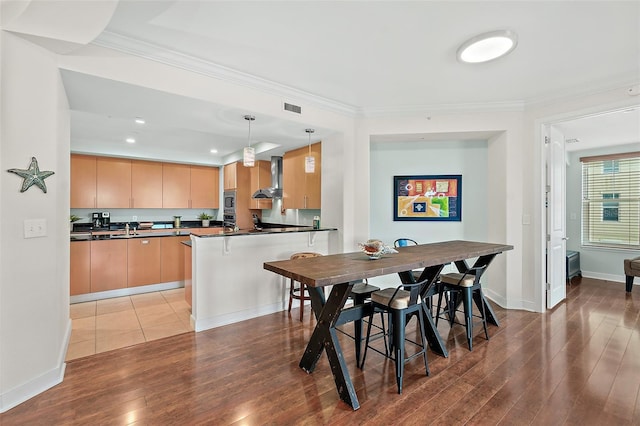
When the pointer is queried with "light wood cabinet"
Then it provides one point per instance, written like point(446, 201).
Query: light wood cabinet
point(80, 268)
point(188, 280)
point(83, 181)
point(230, 176)
point(143, 261)
point(146, 184)
point(108, 265)
point(301, 190)
point(176, 186)
point(172, 258)
point(205, 184)
point(113, 183)
point(238, 177)
point(260, 177)
point(106, 182)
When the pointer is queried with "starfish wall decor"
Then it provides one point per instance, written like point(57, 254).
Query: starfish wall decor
point(32, 176)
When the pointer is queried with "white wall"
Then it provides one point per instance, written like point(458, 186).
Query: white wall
point(595, 262)
point(34, 273)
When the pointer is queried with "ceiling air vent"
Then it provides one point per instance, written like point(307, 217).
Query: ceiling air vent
point(292, 108)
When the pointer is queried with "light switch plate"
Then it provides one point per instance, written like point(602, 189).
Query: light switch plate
point(34, 228)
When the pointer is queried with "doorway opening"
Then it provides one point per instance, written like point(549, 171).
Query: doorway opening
point(564, 141)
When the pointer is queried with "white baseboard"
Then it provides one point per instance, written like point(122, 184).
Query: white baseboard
point(22, 393)
point(226, 319)
point(608, 277)
point(129, 291)
point(524, 305)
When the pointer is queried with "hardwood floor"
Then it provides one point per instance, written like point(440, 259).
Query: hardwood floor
point(578, 364)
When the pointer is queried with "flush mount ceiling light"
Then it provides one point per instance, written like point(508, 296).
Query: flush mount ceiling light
point(130, 140)
point(487, 47)
point(249, 153)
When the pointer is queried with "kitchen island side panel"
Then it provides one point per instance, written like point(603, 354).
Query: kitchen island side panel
point(229, 282)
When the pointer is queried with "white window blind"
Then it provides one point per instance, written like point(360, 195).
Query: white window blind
point(611, 200)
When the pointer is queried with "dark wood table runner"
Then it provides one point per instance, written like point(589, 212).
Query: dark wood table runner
point(343, 270)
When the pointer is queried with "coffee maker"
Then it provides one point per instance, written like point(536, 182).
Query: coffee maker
point(100, 220)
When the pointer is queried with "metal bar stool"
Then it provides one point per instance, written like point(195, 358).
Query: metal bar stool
point(464, 288)
point(299, 292)
point(402, 303)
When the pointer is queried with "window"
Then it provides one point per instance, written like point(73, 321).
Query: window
point(610, 208)
point(611, 201)
point(610, 166)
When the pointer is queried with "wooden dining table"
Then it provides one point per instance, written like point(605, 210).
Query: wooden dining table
point(343, 271)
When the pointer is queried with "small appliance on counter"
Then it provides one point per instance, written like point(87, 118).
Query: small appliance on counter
point(257, 223)
point(100, 220)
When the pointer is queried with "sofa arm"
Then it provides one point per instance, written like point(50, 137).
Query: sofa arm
point(628, 270)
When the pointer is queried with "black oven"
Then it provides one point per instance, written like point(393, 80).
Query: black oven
point(229, 199)
point(229, 220)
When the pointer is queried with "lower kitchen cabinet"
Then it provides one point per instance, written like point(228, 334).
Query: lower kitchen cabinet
point(188, 270)
point(143, 261)
point(80, 270)
point(171, 258)
point(108, 264)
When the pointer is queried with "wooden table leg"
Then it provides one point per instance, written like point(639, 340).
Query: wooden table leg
point(325, 337)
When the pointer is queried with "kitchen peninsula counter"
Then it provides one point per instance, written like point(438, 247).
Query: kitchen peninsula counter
point(229, 283)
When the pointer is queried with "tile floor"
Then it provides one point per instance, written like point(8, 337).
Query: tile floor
point(108, 324)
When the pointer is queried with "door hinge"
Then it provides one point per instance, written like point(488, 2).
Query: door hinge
point(548, 286)
point(546, 140)
point(548, 237)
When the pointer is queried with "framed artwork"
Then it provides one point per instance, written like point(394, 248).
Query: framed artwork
point(427, 197)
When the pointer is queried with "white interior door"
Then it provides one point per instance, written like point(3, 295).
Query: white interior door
point(556, 223)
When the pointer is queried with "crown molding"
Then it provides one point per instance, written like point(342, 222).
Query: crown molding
point(442, 109)
point(167, 56)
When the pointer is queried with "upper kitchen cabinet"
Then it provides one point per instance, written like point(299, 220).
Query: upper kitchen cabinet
point(146, 184)
point(83, 181)
point(260, 177)
point(205, 184)
point(113, 183)
point(176, 186)
point(301, 190)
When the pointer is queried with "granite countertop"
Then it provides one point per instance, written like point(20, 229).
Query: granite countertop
point(270, 230)
point(213, 231)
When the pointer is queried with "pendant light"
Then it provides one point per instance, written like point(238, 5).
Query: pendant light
point(309, 161)
point(249, 153)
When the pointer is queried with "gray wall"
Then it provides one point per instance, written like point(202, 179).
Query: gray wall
point(467, 158)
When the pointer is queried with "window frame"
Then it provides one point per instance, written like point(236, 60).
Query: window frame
point(611, 201)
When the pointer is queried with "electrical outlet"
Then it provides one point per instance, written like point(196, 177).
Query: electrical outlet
point(134, 218)
point(34, 228)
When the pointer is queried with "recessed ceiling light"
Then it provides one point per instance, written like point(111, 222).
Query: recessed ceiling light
point(140, 120)
point(130, 140)
point(487, 47)
point(214, 151)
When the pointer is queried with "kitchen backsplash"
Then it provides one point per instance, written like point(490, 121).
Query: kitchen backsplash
point(145, 215)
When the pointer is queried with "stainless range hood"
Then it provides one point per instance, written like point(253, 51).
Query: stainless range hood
point(275, 190)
